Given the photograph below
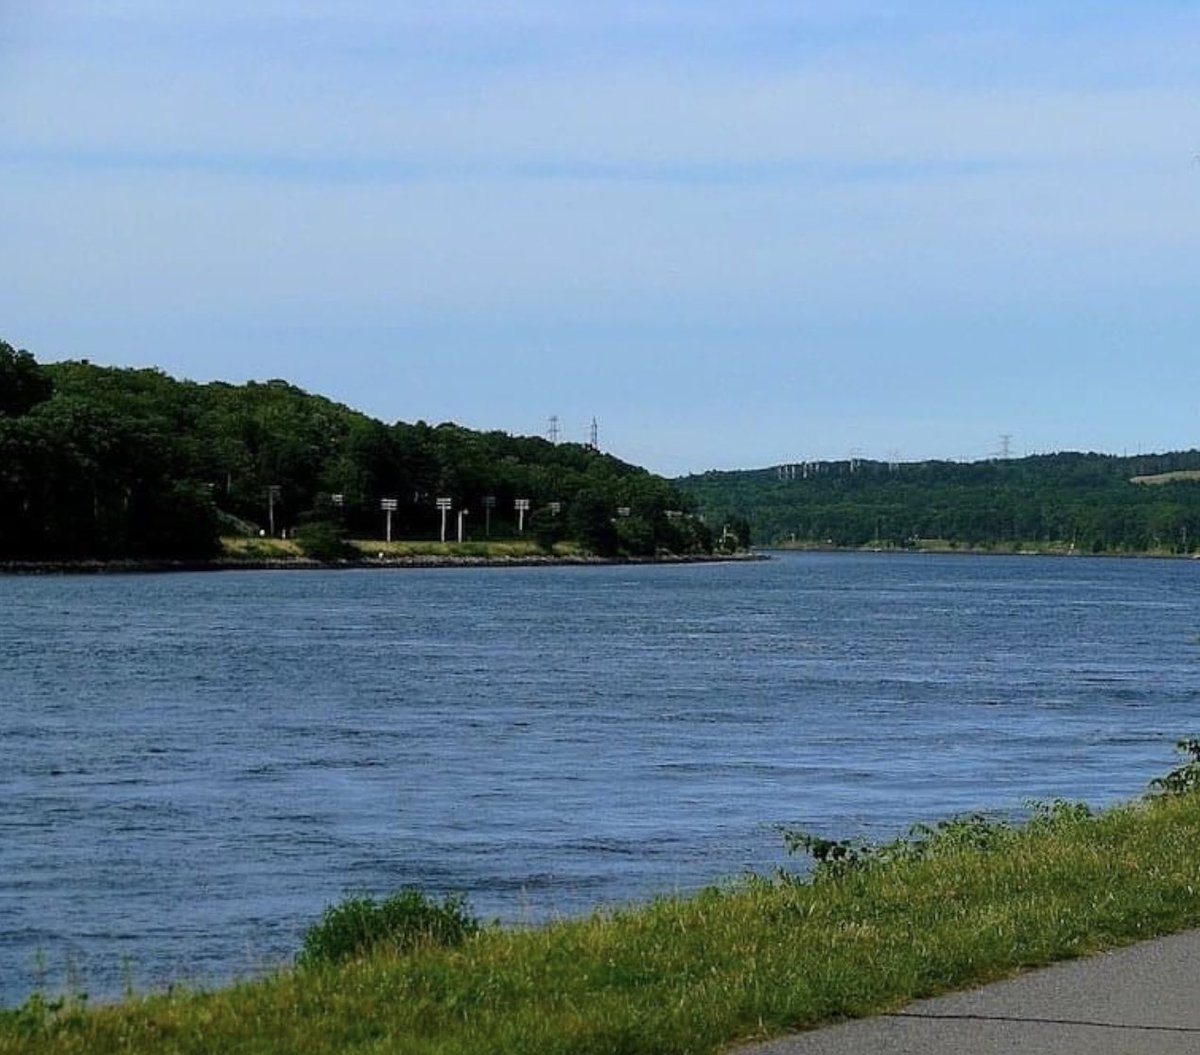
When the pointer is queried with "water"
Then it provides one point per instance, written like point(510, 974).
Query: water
point(193, 766)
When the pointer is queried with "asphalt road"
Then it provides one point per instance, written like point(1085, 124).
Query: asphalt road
point(1140, 1000)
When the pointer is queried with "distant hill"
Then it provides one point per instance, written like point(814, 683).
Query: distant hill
point(1080, 502)
point(106, 462)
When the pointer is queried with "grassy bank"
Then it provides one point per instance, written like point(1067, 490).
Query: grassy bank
point(259, 549)
point(969, 903)
point(515, 549)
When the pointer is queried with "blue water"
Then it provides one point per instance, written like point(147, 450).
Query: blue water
point(193, 766)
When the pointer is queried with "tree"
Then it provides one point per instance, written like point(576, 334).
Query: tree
point(590, 522)
point(104, 462)
point(23, 384)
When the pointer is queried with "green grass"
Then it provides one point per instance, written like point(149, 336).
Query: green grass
point(258, 549)
point(872, 931)
point(492, 550)
point(238, 547)
point(1158, 479)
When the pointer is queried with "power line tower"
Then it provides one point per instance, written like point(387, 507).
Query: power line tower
point(594, 436)
point(1005, 446)
point(553, 432)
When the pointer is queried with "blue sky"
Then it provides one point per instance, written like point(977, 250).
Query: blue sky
point(735, 234)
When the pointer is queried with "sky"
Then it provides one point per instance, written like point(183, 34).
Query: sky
point(735, 234)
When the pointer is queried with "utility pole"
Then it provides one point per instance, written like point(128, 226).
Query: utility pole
point(553, 432)
point(489, 503)
point(594, 436)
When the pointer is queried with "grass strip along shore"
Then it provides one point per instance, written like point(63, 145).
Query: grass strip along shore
point(866, 930)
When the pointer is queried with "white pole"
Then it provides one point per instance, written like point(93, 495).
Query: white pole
point(461, 513)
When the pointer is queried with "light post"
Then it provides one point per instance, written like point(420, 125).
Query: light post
point(272, 495)
point(489, 503)
point(388, 505)
point(461, 513)
point(444, 504)
point(522, 507)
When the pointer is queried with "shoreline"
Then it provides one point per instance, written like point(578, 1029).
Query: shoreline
point(943, 909)
point(978, 551)
point(164, 566)
point(154, 566)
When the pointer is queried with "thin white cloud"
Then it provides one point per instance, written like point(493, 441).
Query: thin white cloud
point(284, 95)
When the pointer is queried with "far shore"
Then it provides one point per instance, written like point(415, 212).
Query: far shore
point(941, 547)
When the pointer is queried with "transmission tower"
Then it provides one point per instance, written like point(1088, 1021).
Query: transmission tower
point(553, 432)
point(594, 436)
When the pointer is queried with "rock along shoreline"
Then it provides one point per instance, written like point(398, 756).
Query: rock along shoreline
point(131, 567)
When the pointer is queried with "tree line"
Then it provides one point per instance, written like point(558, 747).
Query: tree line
point(108, 462)
point(1083, 501)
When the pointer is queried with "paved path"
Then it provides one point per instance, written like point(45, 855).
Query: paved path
point(1140, 1000)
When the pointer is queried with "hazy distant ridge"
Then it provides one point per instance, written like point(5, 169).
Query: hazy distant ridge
point(1081, 502)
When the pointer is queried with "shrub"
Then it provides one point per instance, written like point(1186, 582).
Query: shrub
point(1186, 777)
point(322, 540)
point(835, 858)
point(404, 921)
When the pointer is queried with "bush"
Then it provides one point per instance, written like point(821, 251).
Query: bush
point(635, 536)
point(322, 540)
point(835, 858)
point(1184, 779)
point(404, 921)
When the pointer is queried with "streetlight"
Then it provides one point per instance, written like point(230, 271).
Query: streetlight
point(272, 496)
point(522, 507)
point(388, 505)
point(444, 504)
point(461, 513)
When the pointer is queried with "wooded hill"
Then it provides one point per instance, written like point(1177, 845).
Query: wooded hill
point(99, 462)
point(1089, 502)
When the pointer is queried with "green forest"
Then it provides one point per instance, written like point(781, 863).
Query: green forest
point(1072, 502)
point(101, 462)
